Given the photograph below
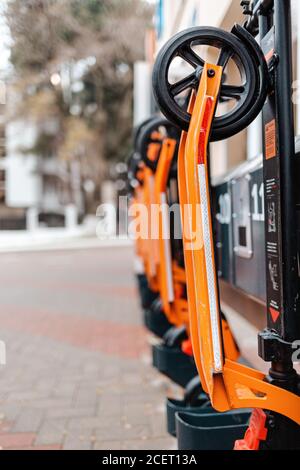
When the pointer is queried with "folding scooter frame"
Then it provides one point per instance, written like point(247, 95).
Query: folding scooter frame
point(229, 385)
point(169, 357)
point(164, 274)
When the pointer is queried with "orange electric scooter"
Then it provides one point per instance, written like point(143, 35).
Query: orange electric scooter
point(165, 273)
point(229, 384)
point(172, 276)
point(149, 144)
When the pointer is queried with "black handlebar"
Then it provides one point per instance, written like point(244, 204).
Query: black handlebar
point(257, 7)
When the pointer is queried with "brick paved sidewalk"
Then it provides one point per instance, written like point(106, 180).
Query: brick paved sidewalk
point(78, 373)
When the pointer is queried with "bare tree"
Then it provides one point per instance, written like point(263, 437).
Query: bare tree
point(49, 35)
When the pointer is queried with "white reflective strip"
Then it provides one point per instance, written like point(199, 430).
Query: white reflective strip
point(167, 245)
point(210, 271)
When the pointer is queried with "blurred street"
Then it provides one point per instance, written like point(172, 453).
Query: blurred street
point(78, 372)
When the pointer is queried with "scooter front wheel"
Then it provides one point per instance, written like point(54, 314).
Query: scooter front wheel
point(239, 101)
point(154, 132)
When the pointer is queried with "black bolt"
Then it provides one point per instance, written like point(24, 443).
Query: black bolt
point(271, 423)
point(247, 9)
point(211, 73)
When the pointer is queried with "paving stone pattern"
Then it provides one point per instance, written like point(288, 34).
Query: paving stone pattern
point(78, 372)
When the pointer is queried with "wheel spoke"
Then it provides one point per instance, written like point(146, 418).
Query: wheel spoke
point(224, 57)
point(183, 84)
point(232, 91)
point(187, 54)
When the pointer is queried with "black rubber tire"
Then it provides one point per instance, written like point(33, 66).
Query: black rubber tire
point(145, 139)
point(247, 59)
point(133, 166)
point(155, 320)
point(175, 336)
point(135, 159)
point(147, 296)
point(193, 391)
point(138, 129)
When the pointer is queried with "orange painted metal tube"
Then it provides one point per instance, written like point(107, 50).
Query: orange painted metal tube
point(229, 384)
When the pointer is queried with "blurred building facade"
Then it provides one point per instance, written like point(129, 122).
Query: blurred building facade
point(34, 190)
point(37, 187)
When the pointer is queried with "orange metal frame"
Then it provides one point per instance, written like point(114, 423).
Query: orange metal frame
point(171, 276)
point(163, 273)
point(230, 385)
point(150, 247)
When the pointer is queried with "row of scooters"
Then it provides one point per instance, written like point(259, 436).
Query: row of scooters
point(161, 279)
point(226, 403)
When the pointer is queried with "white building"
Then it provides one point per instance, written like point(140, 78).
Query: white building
point(34, 184)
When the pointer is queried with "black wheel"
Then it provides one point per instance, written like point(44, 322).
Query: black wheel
point(138, 129)
point(175, 336)
point(194, 394)
point(133, 164)
point(161, 125)
point(155, 319)
point(234, 51)
point(134, 159)
point(147, 296)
